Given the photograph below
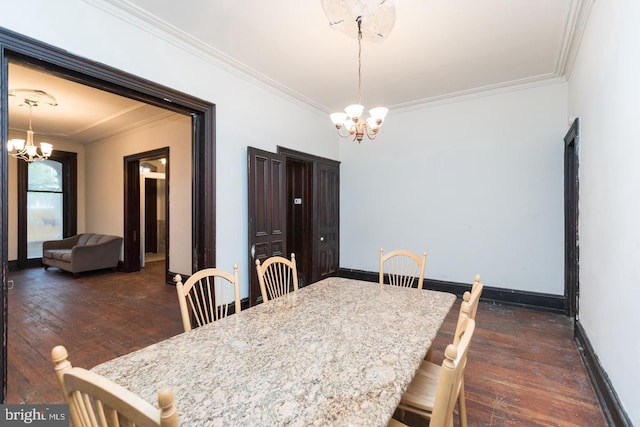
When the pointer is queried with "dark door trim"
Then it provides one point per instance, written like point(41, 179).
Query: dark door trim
point(19, 48)
point(132, 229)
point(316, 240)
point(571, 232)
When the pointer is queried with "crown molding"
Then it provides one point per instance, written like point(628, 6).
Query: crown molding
point(479, 92)
point(577, 18)
point(161, 29)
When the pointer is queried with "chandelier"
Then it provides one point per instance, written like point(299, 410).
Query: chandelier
point(380, 16)
point(25, 149)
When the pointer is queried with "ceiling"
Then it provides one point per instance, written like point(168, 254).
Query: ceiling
point(437, 49)
point(82, 114)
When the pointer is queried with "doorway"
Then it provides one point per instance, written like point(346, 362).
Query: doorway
point(19, 48)
point(571, 232)
point(154, 225)
point(294, 206)
point(154, 217)
point(142, 203)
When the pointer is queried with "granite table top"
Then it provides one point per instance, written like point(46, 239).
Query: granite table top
point(339, 352)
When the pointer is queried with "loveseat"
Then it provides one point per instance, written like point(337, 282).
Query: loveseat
point(82, 252)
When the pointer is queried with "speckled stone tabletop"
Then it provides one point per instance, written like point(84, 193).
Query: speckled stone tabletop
point(339, 352)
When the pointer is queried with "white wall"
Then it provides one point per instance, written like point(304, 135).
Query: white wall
point(478, 184)
point(105, 183)
point(247, 112)
point(603, 92)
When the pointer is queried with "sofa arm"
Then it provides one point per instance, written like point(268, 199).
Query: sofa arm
point(67, 243)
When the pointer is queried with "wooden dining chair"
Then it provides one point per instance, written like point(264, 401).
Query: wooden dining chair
point(277, 276)
point(468, 310)
point(207, 295)
point(402, 268)
point(96, 401)
point(433, 392)
point(395, 423)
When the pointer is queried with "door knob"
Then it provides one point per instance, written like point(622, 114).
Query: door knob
point(253, 251)
point(322, 238)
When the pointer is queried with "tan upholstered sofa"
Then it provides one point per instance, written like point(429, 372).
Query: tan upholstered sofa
point(82, 252)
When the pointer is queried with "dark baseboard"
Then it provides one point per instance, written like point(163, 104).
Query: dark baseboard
point(525, 299)
point(31, 263)
point(611, 407)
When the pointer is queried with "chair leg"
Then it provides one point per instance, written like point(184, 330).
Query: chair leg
point(462, 406)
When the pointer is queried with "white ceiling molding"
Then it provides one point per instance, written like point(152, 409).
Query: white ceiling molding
point(577, 22)
point(480, 92)
point(158, 28)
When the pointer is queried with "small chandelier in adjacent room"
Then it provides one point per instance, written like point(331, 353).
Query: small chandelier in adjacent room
point(380, 16)
point(25, 149)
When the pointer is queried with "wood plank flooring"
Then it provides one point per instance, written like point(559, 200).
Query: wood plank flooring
point(524, 368)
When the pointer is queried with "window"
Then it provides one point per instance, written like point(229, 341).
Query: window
point(47, 206)
point(44, 205)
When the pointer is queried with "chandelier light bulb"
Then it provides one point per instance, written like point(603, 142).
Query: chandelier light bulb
point(379, 113)
point(338, 119)
point(18, 144)
point(354, 111)
point(46, 149)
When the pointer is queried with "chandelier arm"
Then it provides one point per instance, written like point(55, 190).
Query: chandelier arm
point(341, 135)
point(371, 134)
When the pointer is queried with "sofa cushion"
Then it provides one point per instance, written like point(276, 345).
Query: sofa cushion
point(94, 239)
point(84, 238)
point(60, 254)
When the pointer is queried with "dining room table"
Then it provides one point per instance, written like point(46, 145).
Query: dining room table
point(338, 352)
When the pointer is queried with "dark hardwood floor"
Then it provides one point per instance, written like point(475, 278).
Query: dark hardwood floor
point(97, 317)
point(524, 368)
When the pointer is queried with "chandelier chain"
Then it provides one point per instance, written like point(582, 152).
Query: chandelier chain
point(359, 21)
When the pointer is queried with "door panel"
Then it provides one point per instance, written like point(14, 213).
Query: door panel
point(131, 252)
point(267, 212)
point(327, 220)
point(150, 215)
point(300, 216)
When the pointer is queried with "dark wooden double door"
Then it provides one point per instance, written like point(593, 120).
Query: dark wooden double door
point(294, 207)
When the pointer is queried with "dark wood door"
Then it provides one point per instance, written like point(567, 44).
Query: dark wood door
point(300, 216)
point(267, 212)
point(326, 221)
point(150, 215)
point(131, 256)
point(571, 248)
